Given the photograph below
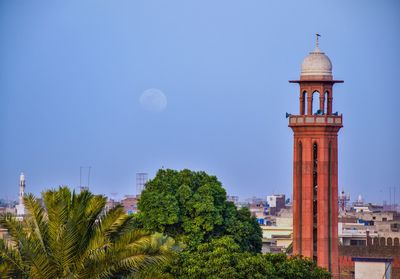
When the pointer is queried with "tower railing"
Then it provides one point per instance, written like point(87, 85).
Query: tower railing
point(300, 120)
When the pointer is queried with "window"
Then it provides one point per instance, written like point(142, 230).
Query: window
point(357, 242)
point(299, 192)
point(315, 201)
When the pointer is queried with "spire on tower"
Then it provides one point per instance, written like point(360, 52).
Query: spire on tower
point(317, 42)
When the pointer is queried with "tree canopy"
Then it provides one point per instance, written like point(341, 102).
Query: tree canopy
point(222, 258)
point(221, 241)
point(192, 207)
point(72, 237)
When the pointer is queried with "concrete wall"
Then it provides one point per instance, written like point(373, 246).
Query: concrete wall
point(371, 270)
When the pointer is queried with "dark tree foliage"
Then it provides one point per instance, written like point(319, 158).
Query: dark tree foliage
point(221, 241)
point(192, 207)
point(243, 228)
point(296, 267)
point(222, 258)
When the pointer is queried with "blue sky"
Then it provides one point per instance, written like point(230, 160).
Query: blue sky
point(72, 73)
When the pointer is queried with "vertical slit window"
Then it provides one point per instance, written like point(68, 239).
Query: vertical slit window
point(299, 193)
point(329, 207)
point(315, 201)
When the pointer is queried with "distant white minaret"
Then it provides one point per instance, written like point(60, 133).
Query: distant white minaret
point(21, 207)
point(21, 188)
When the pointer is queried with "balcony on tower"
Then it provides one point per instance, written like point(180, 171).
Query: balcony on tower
point(315, 120)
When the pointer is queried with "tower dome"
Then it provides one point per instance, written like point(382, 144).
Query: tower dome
point(316, 64)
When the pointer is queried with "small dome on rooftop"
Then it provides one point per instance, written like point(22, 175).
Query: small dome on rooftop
point(316, 64)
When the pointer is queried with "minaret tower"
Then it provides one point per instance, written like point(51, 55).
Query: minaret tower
point(21, 188)
point(20, 206)
point(315, 168)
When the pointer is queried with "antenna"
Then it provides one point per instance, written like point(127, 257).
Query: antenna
point(81, 169)
point(88, 180)
point(141, 179)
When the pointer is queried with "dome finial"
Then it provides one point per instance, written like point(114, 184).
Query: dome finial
point(317, 42)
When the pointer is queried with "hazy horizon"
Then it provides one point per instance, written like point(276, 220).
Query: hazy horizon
point(134, 86)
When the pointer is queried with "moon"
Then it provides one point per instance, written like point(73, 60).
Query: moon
point(153, 100)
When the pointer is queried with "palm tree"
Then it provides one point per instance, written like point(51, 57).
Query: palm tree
point(71, 237)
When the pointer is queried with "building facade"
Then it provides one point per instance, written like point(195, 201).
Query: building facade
point(276, 203)
point(315, 176)
point(130, 204)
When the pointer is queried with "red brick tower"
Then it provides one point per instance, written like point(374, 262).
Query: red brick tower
point(315, 168)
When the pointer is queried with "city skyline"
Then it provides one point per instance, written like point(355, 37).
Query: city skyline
point(134, 87)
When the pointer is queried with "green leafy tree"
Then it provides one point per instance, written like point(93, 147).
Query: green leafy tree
point(296, 267)
point(243, 228)
point(222, 258)
point(212, 260)
point(72, 237)
point(221, 241)
point(192, 207)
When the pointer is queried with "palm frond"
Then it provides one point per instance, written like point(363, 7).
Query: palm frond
point(71, 237)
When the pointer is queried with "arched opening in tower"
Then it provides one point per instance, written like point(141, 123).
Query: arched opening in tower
point(315, 102)
point(326, 94)
point(303, 103)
